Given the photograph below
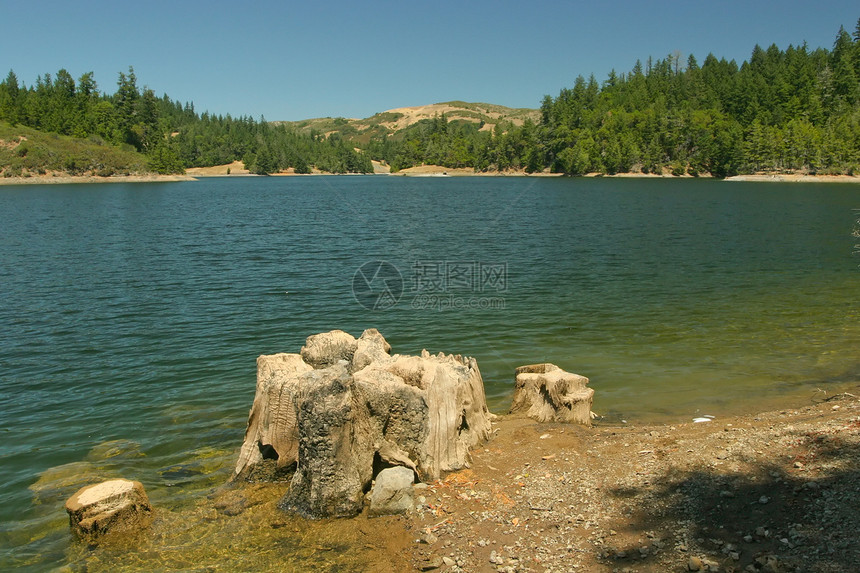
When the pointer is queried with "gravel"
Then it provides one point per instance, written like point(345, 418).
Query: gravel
point(774, 492)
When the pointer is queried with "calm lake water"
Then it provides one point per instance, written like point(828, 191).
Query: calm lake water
point(132, 315)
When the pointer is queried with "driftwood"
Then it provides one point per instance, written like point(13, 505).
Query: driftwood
point(344, 409)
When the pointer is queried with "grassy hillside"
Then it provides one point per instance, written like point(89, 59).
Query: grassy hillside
point(395, 121)
point(25, 152)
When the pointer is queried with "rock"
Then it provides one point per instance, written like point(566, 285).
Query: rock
point(428, 537)
point(694, 564)
point(59, 482)
point(115, 450)
point(113, 505)
point(431, 564)
point(345, 409)
point(392, 492)
point(768, 563)
point(496, 559)
point(547, 393)
point(448, 561)
point(764, 499)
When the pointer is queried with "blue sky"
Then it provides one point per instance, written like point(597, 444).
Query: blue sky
point(297, 60)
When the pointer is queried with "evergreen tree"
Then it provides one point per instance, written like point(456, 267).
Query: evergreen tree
point(9, 99)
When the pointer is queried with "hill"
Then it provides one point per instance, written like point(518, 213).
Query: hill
point(27, 152)
point(394, 121)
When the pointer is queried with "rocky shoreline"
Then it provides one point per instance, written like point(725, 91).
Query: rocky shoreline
point(338, 431)
point(777, 491)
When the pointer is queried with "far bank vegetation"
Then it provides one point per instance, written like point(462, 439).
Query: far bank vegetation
point(784, 110)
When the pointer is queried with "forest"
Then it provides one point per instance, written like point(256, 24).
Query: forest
point(172, 136)
point(784, 110)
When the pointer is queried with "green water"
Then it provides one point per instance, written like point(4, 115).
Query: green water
point(132, 315)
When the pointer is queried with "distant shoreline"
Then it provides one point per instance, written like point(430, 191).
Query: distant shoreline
point(193, 174)
point(796, 178)
point(75, 179)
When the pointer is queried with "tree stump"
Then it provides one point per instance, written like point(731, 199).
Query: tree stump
point(546, 393)
point(345, 409)
point(113, 505)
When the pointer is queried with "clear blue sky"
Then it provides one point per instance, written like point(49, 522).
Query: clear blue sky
point(296, 60)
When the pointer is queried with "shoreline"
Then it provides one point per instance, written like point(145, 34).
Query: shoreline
point(196, 173)
point(795, 178)
point(775, 491)
point(74, 179)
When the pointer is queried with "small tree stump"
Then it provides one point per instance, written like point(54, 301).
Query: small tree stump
point(546, 393)
point(113, 505)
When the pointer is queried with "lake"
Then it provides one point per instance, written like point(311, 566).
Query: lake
point(132, 314)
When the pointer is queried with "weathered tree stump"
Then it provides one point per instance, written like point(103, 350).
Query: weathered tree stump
point(545, 392)
point(345, 409)
point(113, 505)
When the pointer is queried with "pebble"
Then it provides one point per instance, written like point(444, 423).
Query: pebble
point(496, 559)
point(694, 564)
point(763, 499)
point(430, 565)
point(428, 538)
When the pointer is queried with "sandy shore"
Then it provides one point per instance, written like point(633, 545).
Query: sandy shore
point(235, 168)
point(440, 171)
point(68, 179)
point(797, 178)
